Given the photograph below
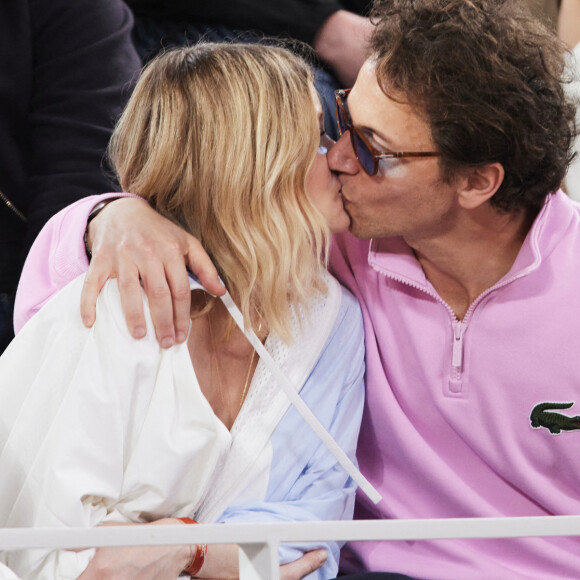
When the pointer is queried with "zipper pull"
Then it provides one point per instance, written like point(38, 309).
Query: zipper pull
point(456, 376)
point(457, 360)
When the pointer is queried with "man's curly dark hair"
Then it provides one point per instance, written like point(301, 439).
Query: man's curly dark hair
point(487, 75)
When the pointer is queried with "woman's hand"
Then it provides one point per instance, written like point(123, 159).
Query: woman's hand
point(221, 562)
point(132, 242)
point(300, 568)
point(142, 562)
point(167, 562)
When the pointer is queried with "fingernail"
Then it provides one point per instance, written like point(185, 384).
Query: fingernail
point(180, 337)
point(167, 342)
point(322, 556)
point(139, 332)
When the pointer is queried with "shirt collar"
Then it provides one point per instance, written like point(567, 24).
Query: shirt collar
point(393, 257)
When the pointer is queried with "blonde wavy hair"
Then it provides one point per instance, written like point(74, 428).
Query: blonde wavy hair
point(219, 138)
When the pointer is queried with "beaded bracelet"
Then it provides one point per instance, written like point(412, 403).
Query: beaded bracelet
point(197, 559)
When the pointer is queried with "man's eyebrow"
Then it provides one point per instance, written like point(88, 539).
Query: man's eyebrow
point(372, 132)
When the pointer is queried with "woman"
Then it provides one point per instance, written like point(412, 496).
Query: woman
point(227, 141)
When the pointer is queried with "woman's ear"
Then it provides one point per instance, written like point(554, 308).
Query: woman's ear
point(479, 184)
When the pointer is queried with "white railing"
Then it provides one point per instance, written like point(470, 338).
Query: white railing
point(259, 542)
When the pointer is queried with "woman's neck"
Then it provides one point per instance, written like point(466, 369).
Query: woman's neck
point(224, 362)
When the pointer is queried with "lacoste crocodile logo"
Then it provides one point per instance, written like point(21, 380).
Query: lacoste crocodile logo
point(555, 422)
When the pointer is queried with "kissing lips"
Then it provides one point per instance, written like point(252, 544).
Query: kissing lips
point(345, 203)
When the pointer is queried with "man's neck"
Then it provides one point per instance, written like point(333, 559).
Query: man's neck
point(474, 256)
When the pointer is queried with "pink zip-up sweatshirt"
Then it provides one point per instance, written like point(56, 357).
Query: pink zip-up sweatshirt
point(451, 426)
point(457, 418)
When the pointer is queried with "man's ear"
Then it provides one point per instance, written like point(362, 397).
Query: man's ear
point(478, 184)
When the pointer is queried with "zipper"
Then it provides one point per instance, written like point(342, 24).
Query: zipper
point(12, 207)
point(459, 327)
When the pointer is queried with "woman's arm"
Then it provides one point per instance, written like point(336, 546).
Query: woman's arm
point(155, 562)
point(72, 403)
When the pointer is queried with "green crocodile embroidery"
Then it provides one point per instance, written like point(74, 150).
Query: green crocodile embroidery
point(555, 422)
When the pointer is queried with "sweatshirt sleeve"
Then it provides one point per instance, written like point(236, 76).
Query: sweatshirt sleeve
point(56, 258)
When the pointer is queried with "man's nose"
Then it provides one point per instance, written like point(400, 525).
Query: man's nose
point(341, 157)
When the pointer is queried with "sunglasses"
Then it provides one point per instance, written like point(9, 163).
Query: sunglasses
point(365, 152)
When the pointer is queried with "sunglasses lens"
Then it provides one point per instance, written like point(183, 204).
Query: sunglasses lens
point(363, 153)
point(340, 119)
point(361, 150)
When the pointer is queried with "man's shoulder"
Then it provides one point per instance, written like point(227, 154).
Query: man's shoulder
point(558, 224)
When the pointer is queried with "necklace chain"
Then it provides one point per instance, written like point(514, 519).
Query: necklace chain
point(215, 361)
point(214, 356)
point(247, 383)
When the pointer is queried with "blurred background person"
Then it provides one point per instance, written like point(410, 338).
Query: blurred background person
point(338, 30)
point(564, 17)
point(65, 70)
point(569, 32)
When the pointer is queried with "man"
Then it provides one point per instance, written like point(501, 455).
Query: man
point(467, 272)
point(468, 286)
